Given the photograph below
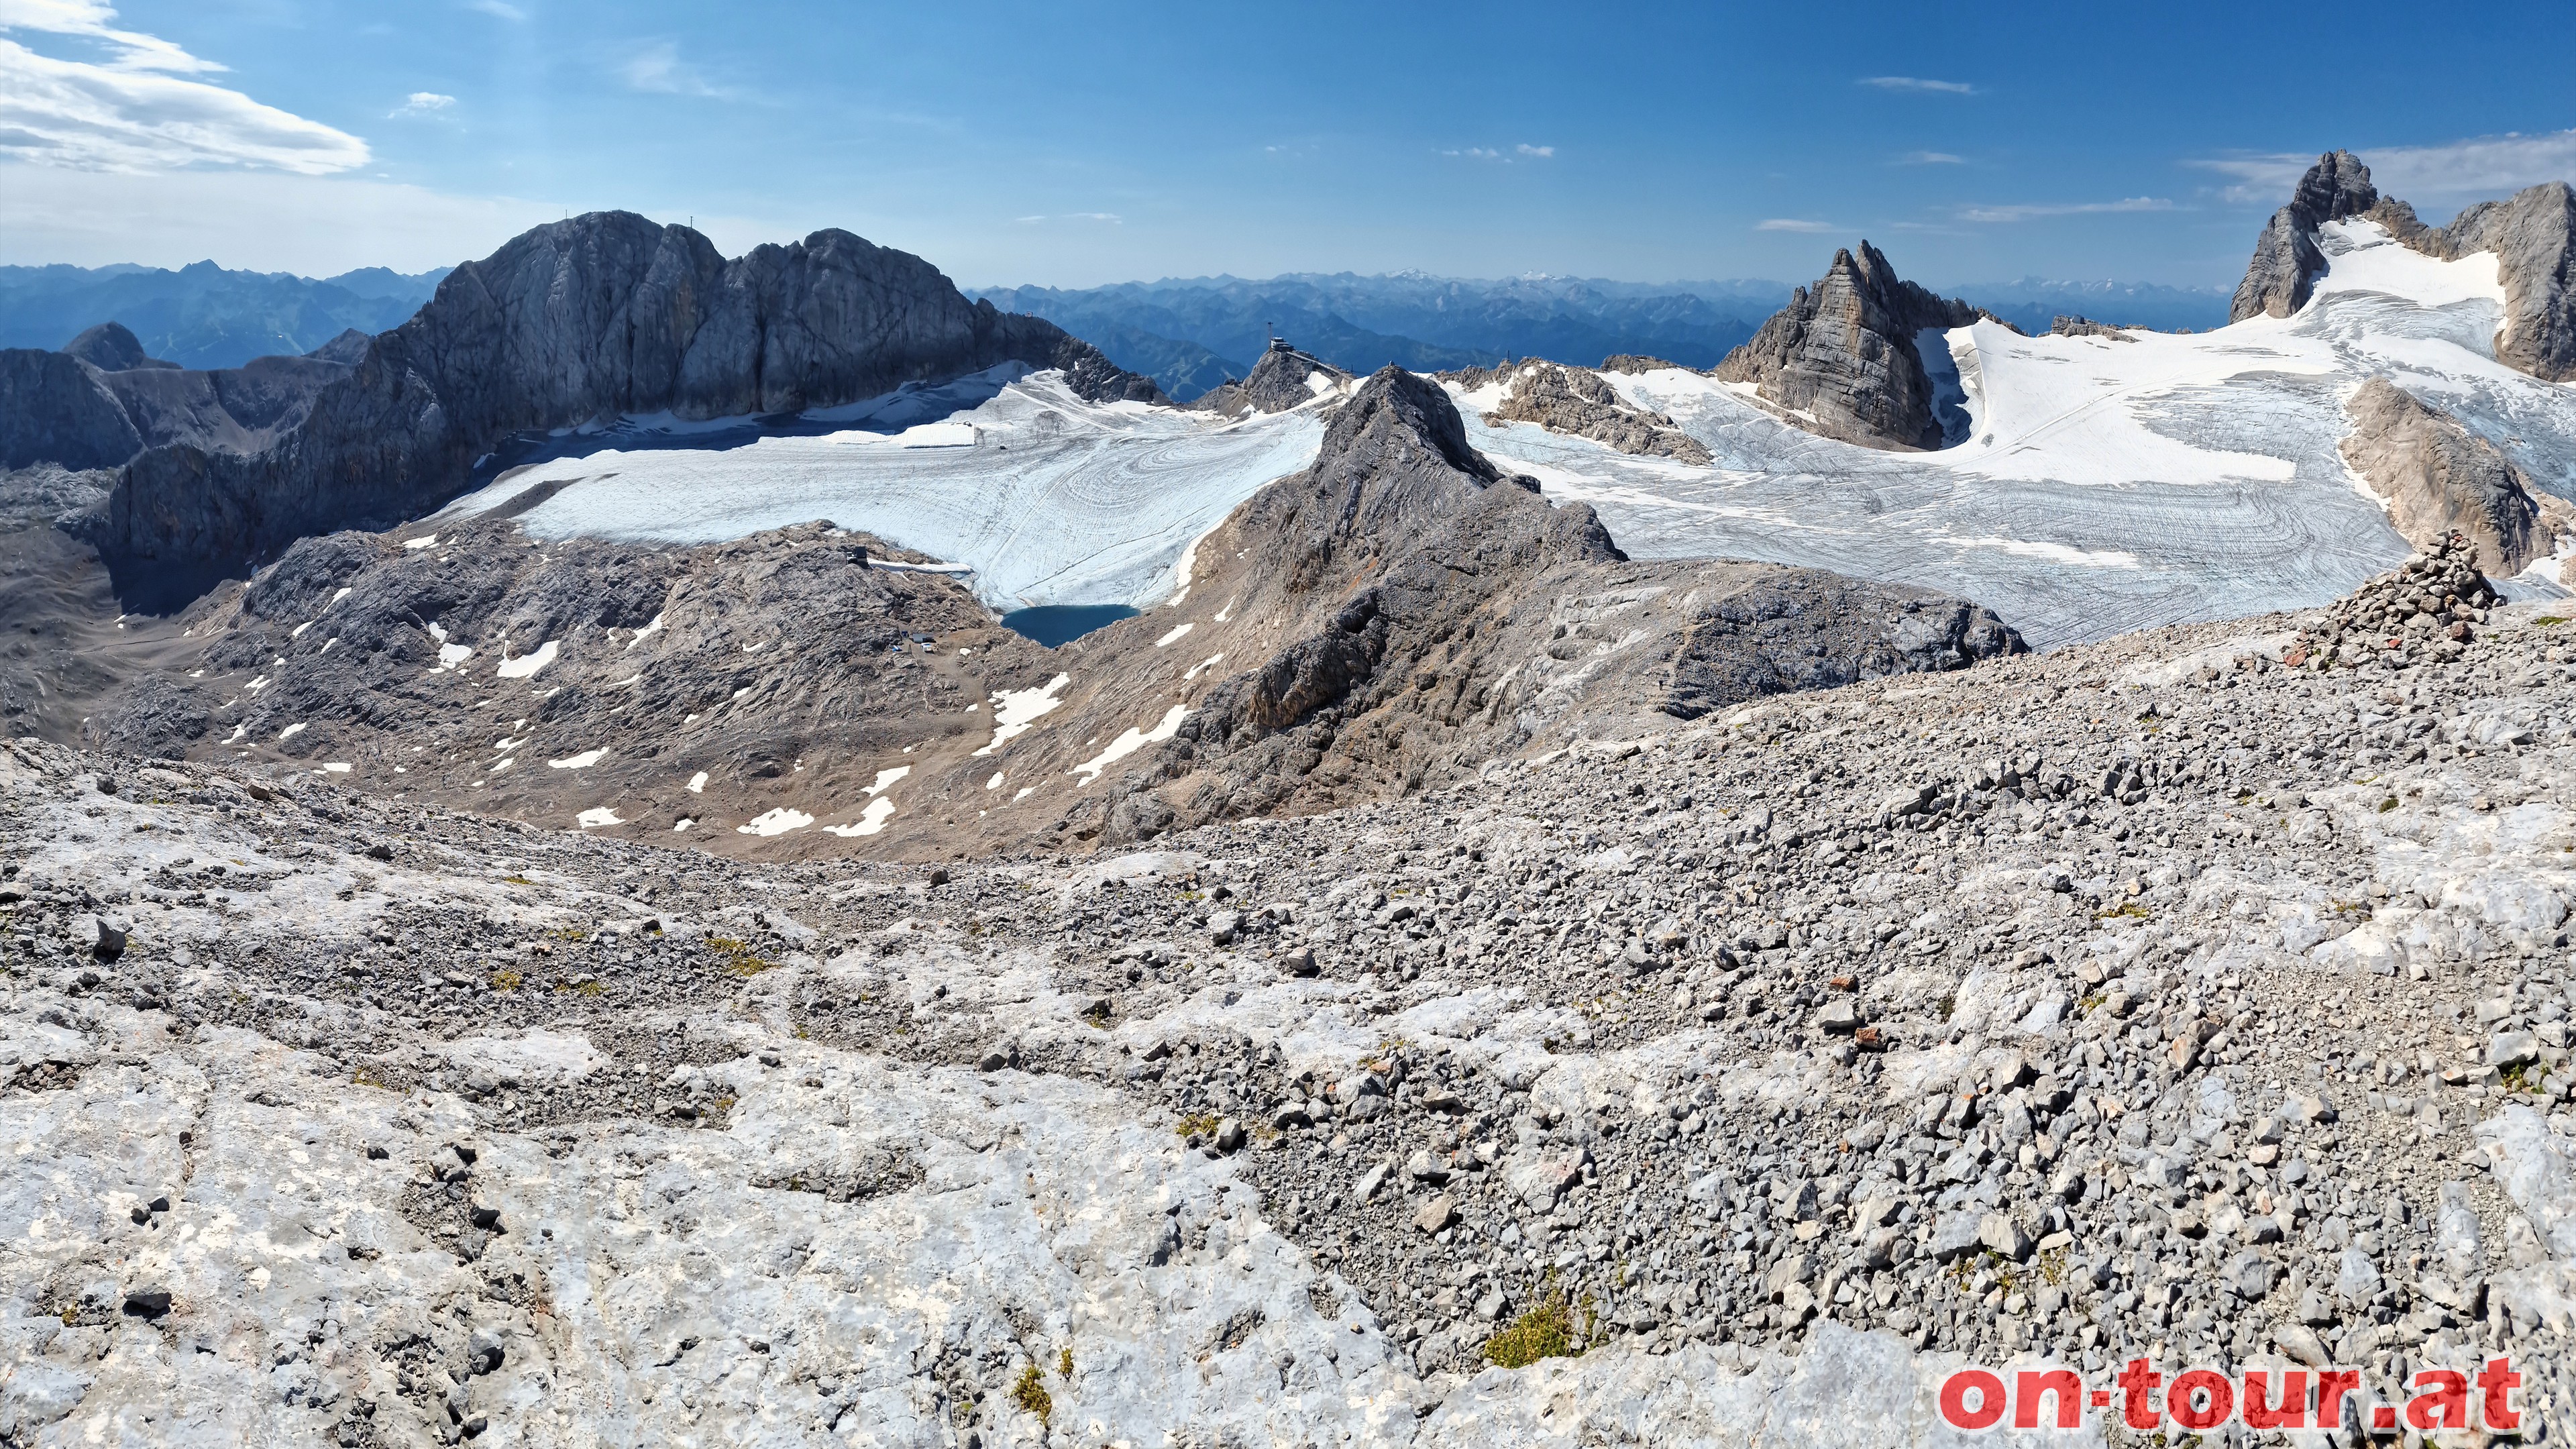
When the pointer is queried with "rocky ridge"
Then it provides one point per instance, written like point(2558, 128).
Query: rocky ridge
point(1576, 402)
point(1843, 358)
point(2532, 234)
point(1382, 624)
point(1283, 379)
point(2286, 259)
point(578, 321)
point(2439, 478)
point(2141, 999)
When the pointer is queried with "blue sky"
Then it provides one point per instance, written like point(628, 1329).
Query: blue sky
point(1073, 144)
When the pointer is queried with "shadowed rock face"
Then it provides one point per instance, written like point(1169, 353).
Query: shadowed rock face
point(56, 409)
point(2439, 478)
point(1842, 355)
point(1284, 378)
point(2286, 259)
point(50, 402)
point(1578, 403)
point(601, 315)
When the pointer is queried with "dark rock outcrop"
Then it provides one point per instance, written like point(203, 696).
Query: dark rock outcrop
point(2533, 236)
point(2286, 258)
point(1284, 378)
point(2087, 327)
point(54, 408)
point(109, 347)
point(1842, 358)
point(1578, 403)
point(2440, 479)
point(601, 315)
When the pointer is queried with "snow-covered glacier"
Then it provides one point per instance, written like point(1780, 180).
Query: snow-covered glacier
point(2105, 483)
point(1048, 498)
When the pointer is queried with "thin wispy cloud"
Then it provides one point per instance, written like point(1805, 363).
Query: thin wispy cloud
point(136, 109)
point(1523, 151)
point(1104, 218)
point(1918, 84)
point(422, 103)
point(1930, 158)
point(2031, 211)
point(2479, 166)
point(656, 69)
point(501, 9)
point(1795, 224)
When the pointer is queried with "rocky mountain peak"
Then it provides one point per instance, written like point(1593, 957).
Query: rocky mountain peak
point(592, 317)
point(1843, 359)
point(2286, 259)
point(2338, 186)
point(1284, 378)
point(110, 347)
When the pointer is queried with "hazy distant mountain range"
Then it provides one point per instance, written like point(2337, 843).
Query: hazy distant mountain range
point(1187, 334)
point(1191, 334)
point(202, 315)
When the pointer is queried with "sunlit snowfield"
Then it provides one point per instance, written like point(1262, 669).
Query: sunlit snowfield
point(1048, 498)
point(2105, 485)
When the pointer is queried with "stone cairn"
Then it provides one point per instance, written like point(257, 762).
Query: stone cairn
point(2422, 612)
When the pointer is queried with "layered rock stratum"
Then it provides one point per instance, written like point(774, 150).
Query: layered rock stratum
point(1843, 357)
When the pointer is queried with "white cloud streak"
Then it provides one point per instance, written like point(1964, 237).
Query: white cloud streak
point(1105, 218)
point(658, 70)
point(1795, 224)
point(2032, 211)
point(498, 9)
point(1917, 84)
point(137, 110)
point(2471, 169)
point(1930, 158)
point(423, 103)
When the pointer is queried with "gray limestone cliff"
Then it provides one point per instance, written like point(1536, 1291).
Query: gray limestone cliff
point(2439, 478)
point(2533, 236)
point(2286, 259)
point(576, 321)
point(1843, 360)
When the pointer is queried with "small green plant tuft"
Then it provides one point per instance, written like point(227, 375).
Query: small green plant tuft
point(2388, 804)
point(1546, 1331)
point(1064, 1362)
point(1030, 1393)
point(1197, 1124)
point(738, 956)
